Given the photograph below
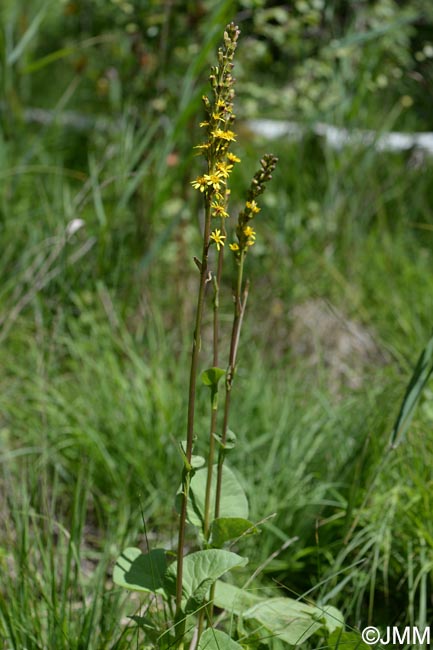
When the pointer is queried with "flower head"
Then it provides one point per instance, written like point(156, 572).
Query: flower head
point(252, 207)
point(234, 247)
point(224, 135)
point(219, 210)
point(250, 232)
point(214, 179)
point(233, 158)
point(218, 238)
point(224, 169)
point(200, 183)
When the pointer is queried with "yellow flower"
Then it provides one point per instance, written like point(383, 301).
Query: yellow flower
point(200, 183)
point(252, 205)
point(224, 169)
point(203, 124)
point(224, 135)
point(205, 145)
point(233, 158)
point(249, 232)
point(221, 103)
point(217, 117)
point(234, 247)
point(219, 210)
point(214, 179)
point(218, 238)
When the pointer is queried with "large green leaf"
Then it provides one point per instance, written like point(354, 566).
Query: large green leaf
point(283, 614)
point(212, 639)
point(200, 570)
point(141, 571)
point(225, 529)
point(233, 499)
point(290, 620)
point(233, 599)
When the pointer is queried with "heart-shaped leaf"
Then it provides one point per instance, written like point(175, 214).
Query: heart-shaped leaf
point(233, 599)
point(200, 570)
point(212, 639)
point(225, 529)
point(233, 501)
point(141, 571)
point(290, 620)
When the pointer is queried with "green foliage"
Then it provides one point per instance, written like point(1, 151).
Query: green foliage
point(141, 572)
point(201, 570)
point(226, 529)
point(217, 640)
point(234, 502)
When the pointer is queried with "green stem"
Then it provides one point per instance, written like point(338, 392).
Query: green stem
point(213, 422)
point(240, 301)
point(191, 407)
point(214, 410)
point(239, 309)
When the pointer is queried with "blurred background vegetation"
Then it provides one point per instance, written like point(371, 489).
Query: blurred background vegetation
point(99, 107)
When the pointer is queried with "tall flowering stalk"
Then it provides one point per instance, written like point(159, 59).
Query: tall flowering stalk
point(246, 237)
point(213, 185)
point(191, 579)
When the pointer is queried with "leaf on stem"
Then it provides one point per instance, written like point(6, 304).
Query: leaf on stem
point(211, 378)
point(233, 498)
point(212, 639)
point(225, 529)
point(200, 571)
point(141, 571)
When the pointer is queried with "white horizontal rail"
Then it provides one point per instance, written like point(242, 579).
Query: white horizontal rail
point(337, 137)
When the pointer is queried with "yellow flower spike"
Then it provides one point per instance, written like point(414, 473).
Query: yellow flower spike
point(200, 183)
point(218, 238)
point(252, 205)
point(234, 247)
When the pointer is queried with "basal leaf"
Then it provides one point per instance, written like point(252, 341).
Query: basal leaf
point(233, 599)
point(212, 639)
point(141, 571)
point(225, 529)
point(290, 620)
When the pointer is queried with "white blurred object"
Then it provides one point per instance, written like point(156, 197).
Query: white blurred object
point(338, 137)
point(74, 226)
